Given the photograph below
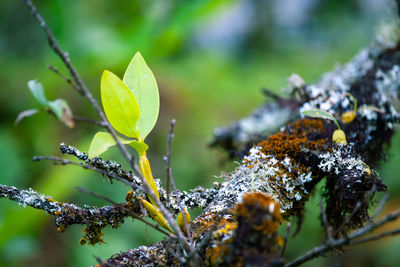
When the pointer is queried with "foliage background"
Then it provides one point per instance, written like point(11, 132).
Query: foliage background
point(211, 58)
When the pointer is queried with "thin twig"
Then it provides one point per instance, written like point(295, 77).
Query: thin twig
point(170, 177)
point(328, 228)
point(168, 157)
point(65, 78)
point(272, 94)
point(94, 194)
point(375, 237)
point(380, 207)
point(91, 121)
point(285, 239)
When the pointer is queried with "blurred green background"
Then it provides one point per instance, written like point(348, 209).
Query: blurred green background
point(210, 58)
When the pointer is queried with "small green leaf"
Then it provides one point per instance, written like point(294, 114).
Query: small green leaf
point(119, 104)
point(140, 147)
point(322, 114)
point(37, 90)
point(102, 141)
point(141, 81)
point(61, 110)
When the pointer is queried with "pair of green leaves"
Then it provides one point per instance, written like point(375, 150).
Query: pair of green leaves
point(131, 106)
point(58, 107)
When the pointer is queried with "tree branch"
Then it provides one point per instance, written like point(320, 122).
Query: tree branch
point(67, 214)
point(94, 194)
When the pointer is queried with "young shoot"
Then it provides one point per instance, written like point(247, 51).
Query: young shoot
point(338, 135)
point(131, 106)
point(349, 116)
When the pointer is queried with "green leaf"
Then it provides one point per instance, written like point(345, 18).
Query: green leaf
point(141, 81)
point(61, 110)
point(120, 105)
point(37, 91)
point(102, 141)
point(322, 114)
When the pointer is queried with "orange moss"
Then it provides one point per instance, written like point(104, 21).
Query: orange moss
point(291, 141)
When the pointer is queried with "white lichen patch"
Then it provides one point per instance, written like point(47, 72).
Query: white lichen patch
point(196, 198)
point(337, 161)
point(263, 173)
point(36, 200)
point(388, 84)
